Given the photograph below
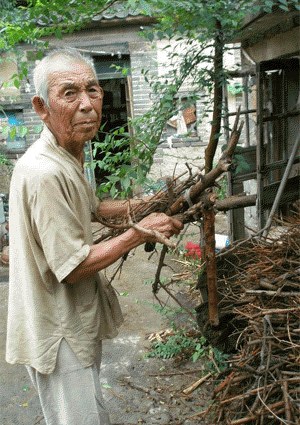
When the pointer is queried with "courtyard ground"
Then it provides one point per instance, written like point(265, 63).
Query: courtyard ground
point(137, 390)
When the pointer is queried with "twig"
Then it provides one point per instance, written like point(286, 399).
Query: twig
point(254, 417)
point(175, 299)
point(269, 408)
point(136, 386)
point(154, 234)
point(276, 311)
point(160, 265)
point(287, 406)
point(255, 390)
point(196, 384)
point(272, 293)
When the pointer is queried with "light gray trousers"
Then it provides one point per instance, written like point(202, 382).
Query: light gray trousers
point(71, 395)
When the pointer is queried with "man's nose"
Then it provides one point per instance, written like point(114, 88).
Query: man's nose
point(85, 102)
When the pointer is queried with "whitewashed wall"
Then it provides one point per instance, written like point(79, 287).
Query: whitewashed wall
point(171, 161)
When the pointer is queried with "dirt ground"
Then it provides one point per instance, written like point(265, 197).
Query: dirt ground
point(137, 390)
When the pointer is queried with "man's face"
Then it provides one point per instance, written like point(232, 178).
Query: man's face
point(75, 106)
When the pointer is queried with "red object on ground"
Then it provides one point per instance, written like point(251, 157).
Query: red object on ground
point(192, 250)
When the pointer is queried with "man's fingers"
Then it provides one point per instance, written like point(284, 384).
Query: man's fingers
point(164, 224)
point(178, 224)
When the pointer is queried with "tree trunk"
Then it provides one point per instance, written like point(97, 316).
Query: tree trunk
point(210, 259)
point(217, 101)
point(208, 214)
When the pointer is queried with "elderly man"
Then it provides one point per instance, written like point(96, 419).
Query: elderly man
point(60, 307)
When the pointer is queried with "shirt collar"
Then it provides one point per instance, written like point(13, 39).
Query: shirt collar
point(50, 139)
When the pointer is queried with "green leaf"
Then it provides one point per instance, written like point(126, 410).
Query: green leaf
point(58, 33)
point(113, 191)
point(13, 132)
point(126, 182)
point(22, 131)
point(107, 386)
point(17, 83)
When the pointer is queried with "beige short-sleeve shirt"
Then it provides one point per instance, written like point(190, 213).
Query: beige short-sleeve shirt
point(51, 206)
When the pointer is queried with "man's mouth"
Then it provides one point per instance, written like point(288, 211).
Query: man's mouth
point(86, 123)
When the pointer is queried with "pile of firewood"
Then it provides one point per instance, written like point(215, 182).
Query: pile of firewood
point(259, 292)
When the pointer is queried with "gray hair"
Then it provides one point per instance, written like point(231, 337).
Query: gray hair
point(51, 63)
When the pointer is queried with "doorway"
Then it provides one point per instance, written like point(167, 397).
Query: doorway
point(117, 103)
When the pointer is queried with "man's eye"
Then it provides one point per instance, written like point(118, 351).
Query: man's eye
point(70, 95)
point(94, 92)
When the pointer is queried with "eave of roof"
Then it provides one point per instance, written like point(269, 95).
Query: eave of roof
point(118, 11)
point(118, 14)
point(257, 25)
point(117, 21)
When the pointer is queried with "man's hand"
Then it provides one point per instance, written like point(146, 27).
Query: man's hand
point(161, 223)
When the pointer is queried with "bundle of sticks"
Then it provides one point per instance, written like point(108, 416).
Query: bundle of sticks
point(184, 197)
point(261, 385)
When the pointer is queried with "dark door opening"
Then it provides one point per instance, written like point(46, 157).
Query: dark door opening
point(114, 115)
point(278, 127)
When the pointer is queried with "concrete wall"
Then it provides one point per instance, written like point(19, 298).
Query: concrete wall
point(8, 67)
point(171, 160)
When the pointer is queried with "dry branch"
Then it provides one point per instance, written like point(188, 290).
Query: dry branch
point(196, 384)
point(184, 198)
point(262, 384)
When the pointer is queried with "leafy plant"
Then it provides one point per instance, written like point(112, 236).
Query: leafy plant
point(6, 163)
point(166, 311)
point(235, 88)
point(115, 162)
point(189, 345)
point(4, 160)
point(222, 190)
point(218, 361)
point(240, 163)
point(175, 344)
point(151, 186)
point(14, 131)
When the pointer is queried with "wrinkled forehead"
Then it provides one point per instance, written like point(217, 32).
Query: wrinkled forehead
point(60, 66)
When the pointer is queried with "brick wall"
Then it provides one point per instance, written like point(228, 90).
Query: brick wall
point(112, 41)
point(142, 57)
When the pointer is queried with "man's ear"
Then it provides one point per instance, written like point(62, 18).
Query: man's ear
point(40, 107)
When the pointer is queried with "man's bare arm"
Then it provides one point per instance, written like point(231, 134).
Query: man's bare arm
point(111, 208)
point(104, 254)
point(107, 252)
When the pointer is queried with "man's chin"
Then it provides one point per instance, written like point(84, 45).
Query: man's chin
point(84, 136)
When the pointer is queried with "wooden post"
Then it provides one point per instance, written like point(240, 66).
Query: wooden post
point(210, 258)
